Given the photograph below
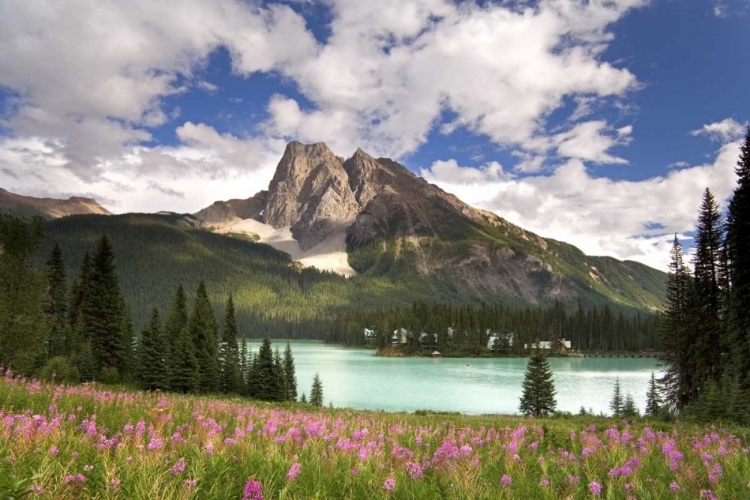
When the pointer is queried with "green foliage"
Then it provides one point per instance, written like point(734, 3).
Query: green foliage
point(316, 392)
point(24, 326)
point(290, 377)
point(653, 400)
point(205, 336)
point(538, 397)
point(617, 405)
point(229, 356)
point(268, 376)
point(59, 369)
point(629, 408)
point(153, 371)
point(56, 303)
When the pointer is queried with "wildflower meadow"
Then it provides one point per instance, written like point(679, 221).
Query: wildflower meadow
point(86, 441)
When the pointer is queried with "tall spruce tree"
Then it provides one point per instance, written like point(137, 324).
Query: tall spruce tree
point(183, 369)
point(316, 392)
point(205, 337)
point(230, 352)
point(653, 401)
point(617, 404)
point(538, 398)
point(153, 373)
point(268, 386)
point(243, 367)
point(127, 343)
point(177, 321)
point(677, 333)
point(705, 312)
point(56, 303)
point(101, 312)
point(23, 323)
point(738, 251)
point(629, 408)
point(253, 376)
point(289, 374)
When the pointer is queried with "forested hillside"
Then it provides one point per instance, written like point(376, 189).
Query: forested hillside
point(155, 253)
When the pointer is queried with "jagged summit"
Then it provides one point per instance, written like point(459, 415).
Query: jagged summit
point(373, 216)
point(49, 207)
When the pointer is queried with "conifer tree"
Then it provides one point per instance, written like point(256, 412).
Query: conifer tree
point(23, 324)
point(303, 399)
point(629, 408)
point(253, 376)
point(100, 312)
point(289, 374)
point(617, 404)
point(183, 369)
point(127, 343)
point(83, 359)
point(205, 337)
point(653, 401)
point(738, 250)
point(677, 333)
point(177, 321)
point(705, 313)
point(316, 392)
point(538, 397)
point(56, 305)
point(153, 374)
point(230, 352)
point(243, 367)
point(268, 377)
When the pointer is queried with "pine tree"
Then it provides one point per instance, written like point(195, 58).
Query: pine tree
point(243, 368)
point(653, 401)
point(738, 250)
point(56, 305)
point(23, 323)
point(230, 352)
point(127, 343)
point(677, 333)
point(268, 386)
point(253, 376)
point(278, 365)
point(100, 312)
point(629, 408)
point(205, 337)
point(316, 393)
point(183, 369)
point(153, 373)
point(707, 264)
point(617, 405)
point(303, 399)
point(289, 374)
point(538, 397)
point(177, 320)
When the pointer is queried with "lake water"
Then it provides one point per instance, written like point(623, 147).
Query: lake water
point(356, 378)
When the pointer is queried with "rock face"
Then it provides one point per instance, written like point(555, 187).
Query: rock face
point(374, 217)
point(48, 207)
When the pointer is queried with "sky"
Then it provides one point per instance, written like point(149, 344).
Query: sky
point(596, 122)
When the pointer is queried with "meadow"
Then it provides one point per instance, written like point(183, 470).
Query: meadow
point(93, 441)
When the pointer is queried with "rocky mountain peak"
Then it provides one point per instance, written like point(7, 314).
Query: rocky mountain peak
point(49, 207)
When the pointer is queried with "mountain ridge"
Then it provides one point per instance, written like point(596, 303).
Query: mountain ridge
point(51, 208)
point(372, 216)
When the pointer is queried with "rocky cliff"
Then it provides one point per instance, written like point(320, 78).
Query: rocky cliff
point(48, 207)
point(374, 217)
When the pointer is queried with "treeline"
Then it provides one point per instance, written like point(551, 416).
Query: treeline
point(85, 332)
point(467, 329)
point(706, 327)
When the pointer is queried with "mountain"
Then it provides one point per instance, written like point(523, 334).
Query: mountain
point(48, 208)
point(372, 217)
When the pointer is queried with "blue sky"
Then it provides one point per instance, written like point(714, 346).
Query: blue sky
point(598, 123)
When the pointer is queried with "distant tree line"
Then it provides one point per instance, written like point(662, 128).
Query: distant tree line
point(467, 328)
point(706, 326)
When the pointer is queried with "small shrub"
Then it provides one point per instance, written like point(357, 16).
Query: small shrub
point(59, 369)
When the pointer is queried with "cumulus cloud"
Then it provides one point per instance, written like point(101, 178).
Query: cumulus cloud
point(726, 130)
point(624, 219)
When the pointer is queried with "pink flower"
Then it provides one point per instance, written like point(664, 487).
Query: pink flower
point(544, 481)
point(390, 484)
point(253, 491)
point(190, 483)
point(674, 487)
point(179, 466)
point(293, 472)
point(53, 451)
point(595, 488)
point(506, 480)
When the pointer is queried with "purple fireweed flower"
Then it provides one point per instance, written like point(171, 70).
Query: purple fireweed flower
point(179, 466)
point(54, 451)
point(390, 484)
point(190, 483)
point(708, 495)
point(595, 488)
point(36, 489)
point(574, 480)
point(506, 480)
point(544, 481)
point(253, 491)
point(674, 487)
point(415, 470)
point(293, 472)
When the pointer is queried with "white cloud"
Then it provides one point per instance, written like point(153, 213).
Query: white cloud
point(624, 219)
point(726, 130)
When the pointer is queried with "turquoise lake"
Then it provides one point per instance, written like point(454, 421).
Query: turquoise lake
point(356, 378)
